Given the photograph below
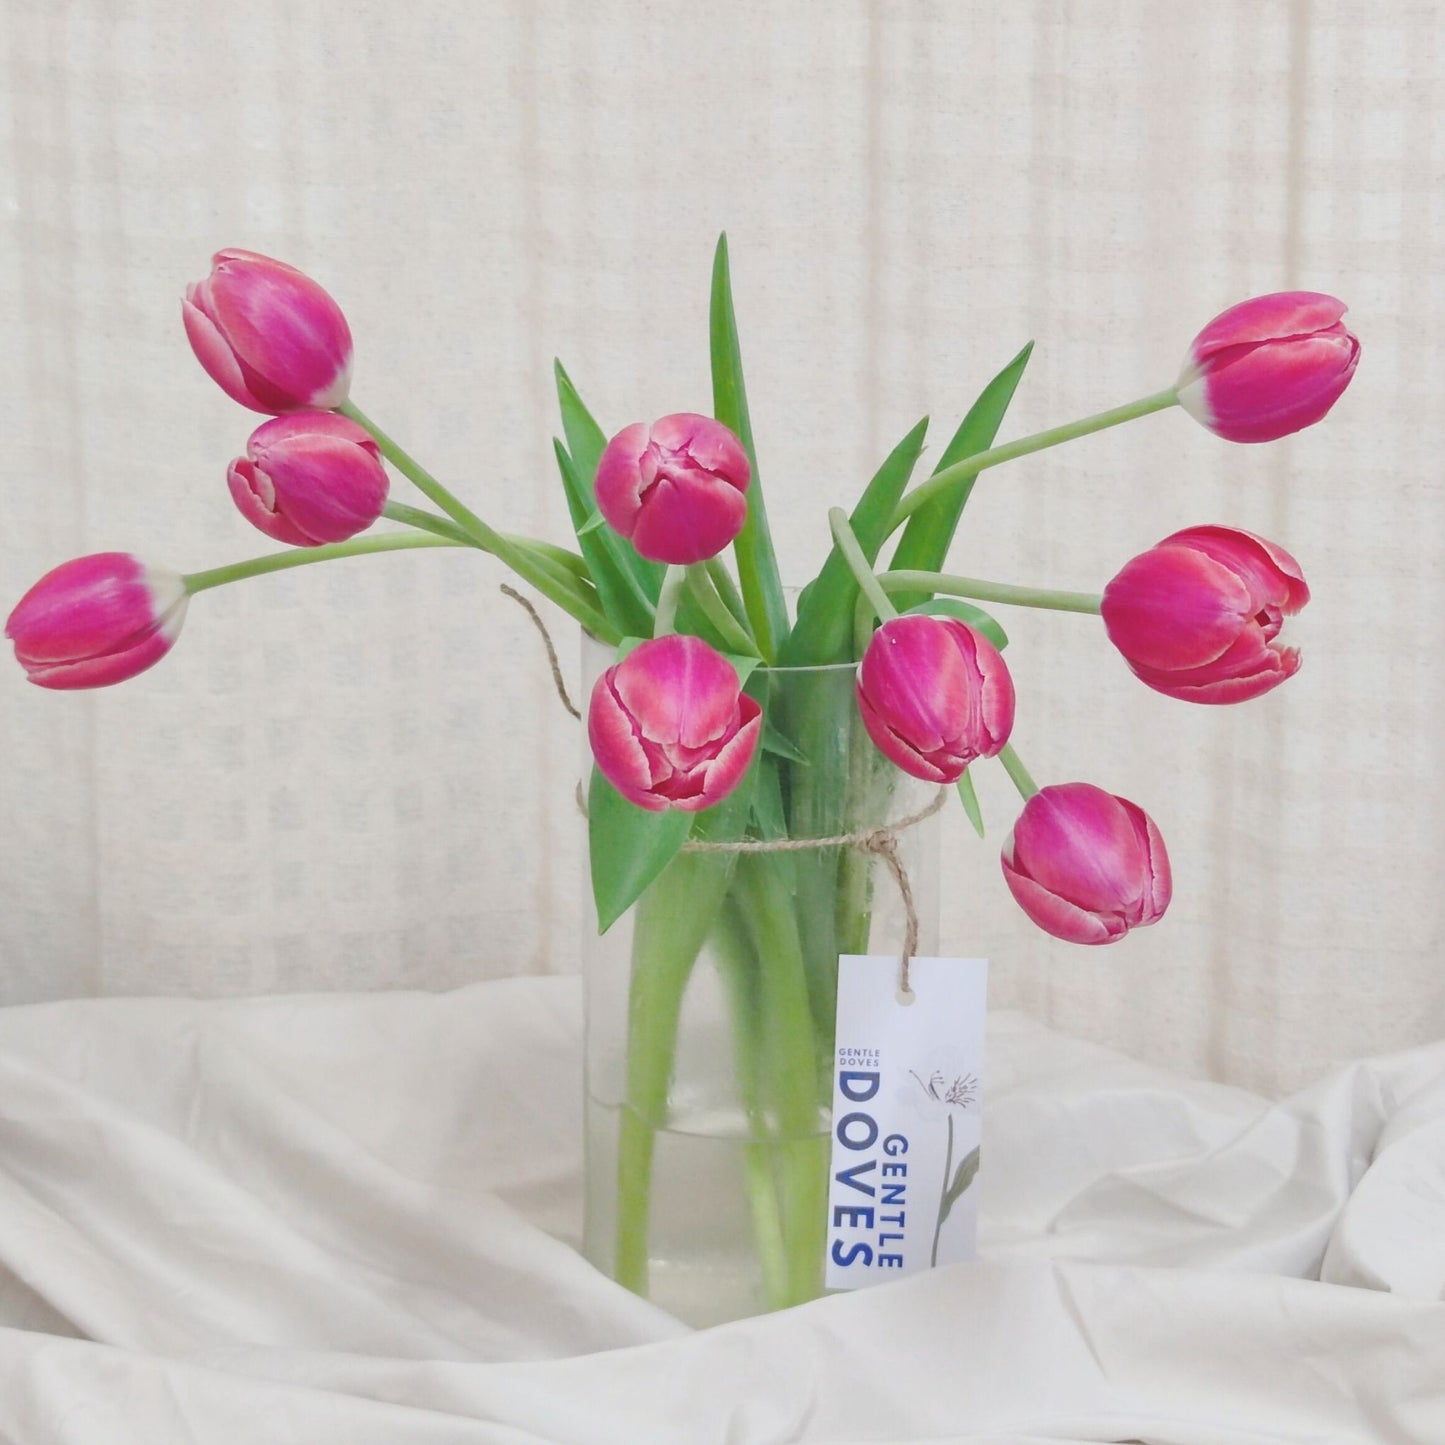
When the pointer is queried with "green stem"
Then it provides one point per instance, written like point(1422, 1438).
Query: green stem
point(702, 590)
point(854, 556)
point(1014, 767)
point(304, 556)
point(943, 1192)
point(739, 969)
point(952, 479)
point(665, 619)
point(567, 561)
point(982, 591)
point(566, 594)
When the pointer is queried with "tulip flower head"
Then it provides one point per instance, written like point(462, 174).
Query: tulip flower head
point(308, 478)
point(934, 695)
point(677, 489)
point(97, 620)
point(1086, 866)
point(269, 336)
point(1269, 366)
point(670, 727)
point(1198, 616)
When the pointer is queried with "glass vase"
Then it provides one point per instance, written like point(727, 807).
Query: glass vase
point(710, 1010)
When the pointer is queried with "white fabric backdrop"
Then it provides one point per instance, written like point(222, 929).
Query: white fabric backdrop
point(357, 777)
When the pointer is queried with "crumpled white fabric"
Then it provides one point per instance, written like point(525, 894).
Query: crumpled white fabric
point(306, 1220)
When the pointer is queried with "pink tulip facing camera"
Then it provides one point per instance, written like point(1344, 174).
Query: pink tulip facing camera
point(677, 489)
point(670, 726)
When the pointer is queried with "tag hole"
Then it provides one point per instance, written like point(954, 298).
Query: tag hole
point(906, 996)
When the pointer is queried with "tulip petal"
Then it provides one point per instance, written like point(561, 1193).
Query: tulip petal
point(619, 485)
point(1268, 318)
point(616, 748)
point(687, 516)
point(727, 769)
point(214, 355)
point(1174, 607)
point(1058, 916)
point(1271, 574)
point(288, 334)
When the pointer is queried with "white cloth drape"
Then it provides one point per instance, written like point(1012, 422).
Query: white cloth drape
point(317, 1220)
point(357, 776)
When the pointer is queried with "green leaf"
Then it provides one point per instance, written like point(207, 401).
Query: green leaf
point(586, 442)
point(773, 741)
point(592, 524)
point(969, 799)
point(757, 562)
point(623, 599)
point(628, 847)
point(975, 617)
point(963, 1176)
point(824, 630)
point(929, 533)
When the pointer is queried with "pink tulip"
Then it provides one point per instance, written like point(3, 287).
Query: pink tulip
point(1269, 367)
point(1086, 866)
point(309, 478)
point(269, 336)
point(1198, 616)
point(670, 727)
point(97, 620)
point(676, 489)
point(934, 695)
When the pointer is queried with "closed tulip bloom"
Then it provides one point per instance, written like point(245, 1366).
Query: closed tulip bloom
point(670, 727)
point(269, 336)
point(97, 620)
point(309, 478)
point(676, 489)
point(934, 695)
point(1269, 366)
point(1086, 866)
point(1198, 617)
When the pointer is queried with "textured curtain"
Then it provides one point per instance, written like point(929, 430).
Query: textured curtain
point(357, 776)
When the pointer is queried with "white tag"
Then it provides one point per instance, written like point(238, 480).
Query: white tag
point(907, 1085)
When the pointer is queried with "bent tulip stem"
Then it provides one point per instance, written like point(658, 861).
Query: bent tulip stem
point(952, 479)
point(982, 591)
point(566, 594)
point(674, 580)
point(853, 554)
point(304, 556)
point(703, 591)
point(1013, 766)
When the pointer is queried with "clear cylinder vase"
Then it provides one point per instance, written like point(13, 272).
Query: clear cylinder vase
point(710, 1008)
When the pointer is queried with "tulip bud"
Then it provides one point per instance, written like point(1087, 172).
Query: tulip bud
point(269, 336)
point(308, 478)
point(1269, 366)
point(676, 489)
point(1086, 866)
point(1198, 616)
point(670, 727)
point(97, 620)
point(934, 695)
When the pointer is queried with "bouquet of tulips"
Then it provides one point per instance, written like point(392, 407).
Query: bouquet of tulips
point(690, 736)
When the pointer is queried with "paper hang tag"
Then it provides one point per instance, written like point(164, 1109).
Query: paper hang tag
point(907, 1093)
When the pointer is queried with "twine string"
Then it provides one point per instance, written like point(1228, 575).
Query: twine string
point(880, 842)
